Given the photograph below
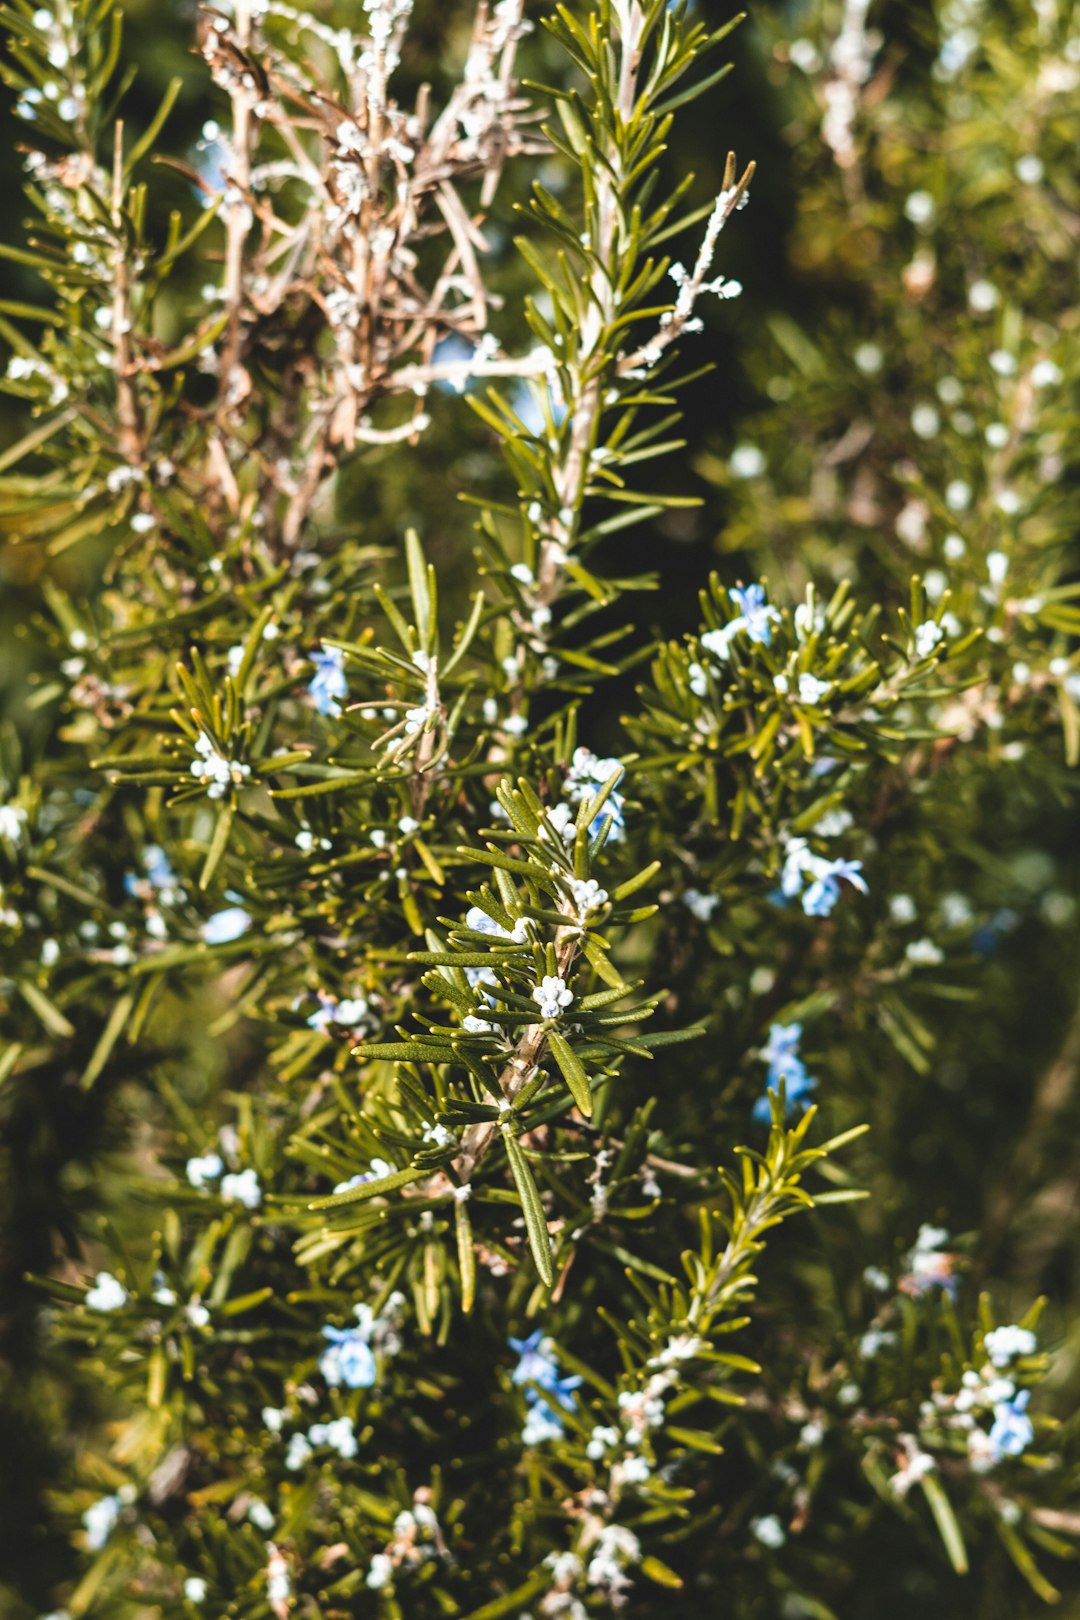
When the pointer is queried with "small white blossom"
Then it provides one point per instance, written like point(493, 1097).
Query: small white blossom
point(1003, 1343)
point(12, 822)
point(700, 905)
point(588, 895)
point(99, 1520)
point(380, 1572)
point(1045, 374)
point(918, 1464)
point(926, 637)
point(241, 1187)
point(769, 1531)
point(552, 995)
point(746, 461)
point(213, 770)
point(983, 297)
point(107, 1294)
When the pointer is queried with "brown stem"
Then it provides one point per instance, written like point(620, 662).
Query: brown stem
point(127, 406)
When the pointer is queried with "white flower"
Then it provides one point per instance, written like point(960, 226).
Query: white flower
point(746, 461)
point(552, 995)
point(588, 895)
point(338, 1434)
point(381, 1572)
point(561, 818)
point(213, 770)
point(925, 421)
point(242, 1187)
point(195, 1588)
point(926, 637)
point(12, 822)
point(541, 1424)
point(982, 297)
point(919, 208)
point(201, 1170)
point(633, 1470)
point(698, 680)
point(297, 1452)
point(917, 1465)
point(226, 926)
point(478, 920)
point(1045, 374)
point(107, 1294)
point(811, 690)
point(614, 1547)
point(1003, 1343)
point(351, 1011)
point(99, 1521)
point(700, 905)
point(278, 1584)
point(769, 1531)
point(261, 1516)
point(602, 1439)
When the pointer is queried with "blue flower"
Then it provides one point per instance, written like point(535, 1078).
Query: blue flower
point(754, 611)
point(348, 1359)
point(328, 684)
point(225, 926)
point(781, 1053)
point(823, 893)
point(536, 1365)
point(1013, 1430)
point(586, 777)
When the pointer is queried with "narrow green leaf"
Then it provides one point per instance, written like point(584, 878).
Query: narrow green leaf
point(50, 1016)
point(466, 1254)
point(369, 1189)
point(535, 1222)
point(572, 1071)
point(948, 1528)
point(107, 1040)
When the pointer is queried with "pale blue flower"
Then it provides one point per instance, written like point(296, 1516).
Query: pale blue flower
point(586, 777)
point(99, 1521)
point(823, 893)
point(538, 1367)
point(348, 1359)
point(754, 612)
point(1013, 1430)
point(328, 684)
point(781, 1053)
point(202, 1169)
point(225, 926)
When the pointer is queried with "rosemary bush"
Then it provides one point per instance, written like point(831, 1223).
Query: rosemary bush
point(443, 1015)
